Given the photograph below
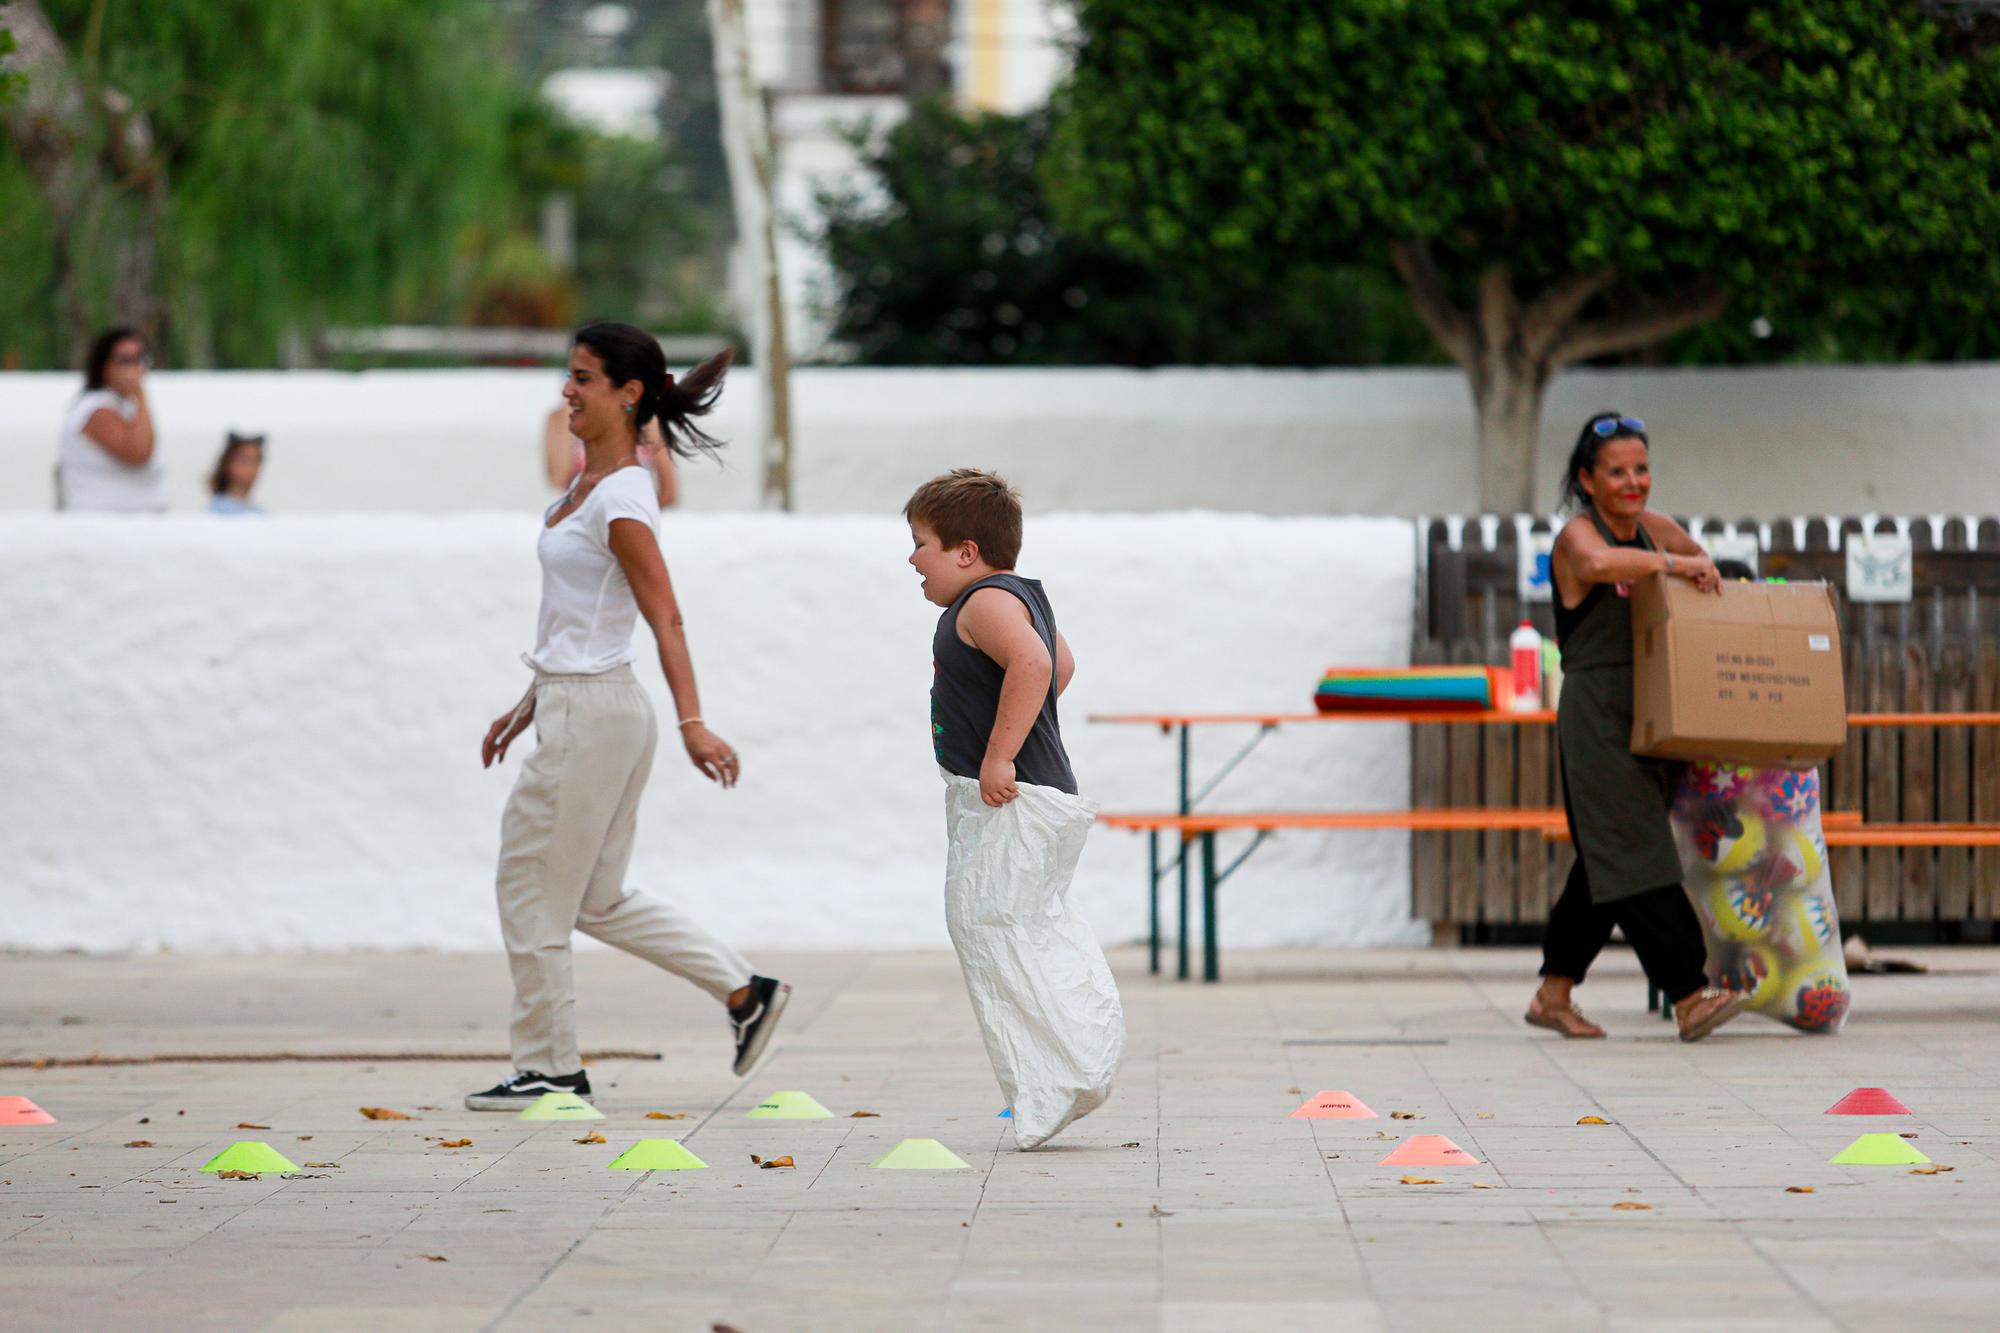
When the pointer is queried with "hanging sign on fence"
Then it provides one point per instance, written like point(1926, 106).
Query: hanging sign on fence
point(1533, 581)
point(1879, 567)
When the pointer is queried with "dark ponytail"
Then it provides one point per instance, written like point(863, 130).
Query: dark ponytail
point(630, 353)
point(1583, 458)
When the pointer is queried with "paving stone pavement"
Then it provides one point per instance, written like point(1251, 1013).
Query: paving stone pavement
point(1191, 1202)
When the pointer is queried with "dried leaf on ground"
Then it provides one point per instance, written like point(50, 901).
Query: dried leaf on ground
point(1481, 1185)
point(777, 1162)
point(305, 1138)
point(1159, 1212)
point(245, 1124)
point(1932, 1170)
point(1799, 1189)
point(1380, 1134)
point(1592, 1120)
point(383, 1113)
point(301, 1175)
point(668, 1115)
point(1402, 1115)
point(1133, 1144)
point(1485, 1115)
point(237, 1175)
point(1294, 1089)
point(455, 1143)
point(435, 1258)
point(140, 1143)
point(1632, 1206)
point(145, 1120)
point(1421, 1180)
point(325, 1165)
point(864, 1115)
point(1907, 1134)
point(592, 1137)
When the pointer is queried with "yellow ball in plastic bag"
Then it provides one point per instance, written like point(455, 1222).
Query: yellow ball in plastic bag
point(1732, 855)
point(1817, 996)
point(1740, 911)
point(1754, 971)
point(1814, 925)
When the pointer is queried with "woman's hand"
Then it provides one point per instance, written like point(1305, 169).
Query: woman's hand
point(504, 729)
point(711, 754)
point(1698, 570)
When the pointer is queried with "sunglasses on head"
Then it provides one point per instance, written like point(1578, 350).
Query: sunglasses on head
point(1609, 426)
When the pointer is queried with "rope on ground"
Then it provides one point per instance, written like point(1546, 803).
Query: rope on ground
point(281, 1057)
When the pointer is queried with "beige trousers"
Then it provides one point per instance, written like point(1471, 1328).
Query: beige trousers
point(565, 842)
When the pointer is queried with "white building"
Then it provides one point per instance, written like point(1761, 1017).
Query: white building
point(827, 65)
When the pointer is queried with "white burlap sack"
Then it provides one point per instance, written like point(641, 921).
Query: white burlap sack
point(1041, 990)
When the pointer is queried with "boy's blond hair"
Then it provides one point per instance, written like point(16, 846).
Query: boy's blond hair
point(966, 504)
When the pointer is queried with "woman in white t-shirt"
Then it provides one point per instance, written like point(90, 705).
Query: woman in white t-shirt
point(108, 460)
point(566, 837)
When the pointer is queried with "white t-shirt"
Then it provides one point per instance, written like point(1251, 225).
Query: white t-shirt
point(588, 611)
point(92, 479)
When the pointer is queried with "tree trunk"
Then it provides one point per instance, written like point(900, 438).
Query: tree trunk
point(752, 161)
point(1511, 350)
point(1508, 399)
point(88, 152)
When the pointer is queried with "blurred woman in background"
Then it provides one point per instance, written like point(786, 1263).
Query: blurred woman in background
point(108, 458)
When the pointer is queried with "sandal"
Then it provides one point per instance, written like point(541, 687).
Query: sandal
point(1568, 1019)
point(1710, 1010)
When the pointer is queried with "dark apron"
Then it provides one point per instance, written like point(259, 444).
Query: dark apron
point(1617, 802)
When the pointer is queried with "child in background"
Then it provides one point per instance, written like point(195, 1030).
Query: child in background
point(1041, 990)
point(235, 475)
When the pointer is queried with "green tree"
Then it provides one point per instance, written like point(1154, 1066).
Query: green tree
point(320, 163)
point(1554, 182)
point(945, 254)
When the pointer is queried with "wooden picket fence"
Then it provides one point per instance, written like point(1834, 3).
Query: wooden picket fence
point(1940, 652)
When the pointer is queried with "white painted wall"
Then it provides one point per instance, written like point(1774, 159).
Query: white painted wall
point(1734, 443)
point(241, 734)
point(1727, 443)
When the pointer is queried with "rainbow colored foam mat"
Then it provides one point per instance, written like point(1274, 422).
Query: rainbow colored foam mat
point(1382, 689)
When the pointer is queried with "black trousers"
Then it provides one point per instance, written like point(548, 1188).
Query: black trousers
point(1659, 924)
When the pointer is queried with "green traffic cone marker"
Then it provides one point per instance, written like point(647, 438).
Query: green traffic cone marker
point(921, 1155)
point(658, 1155)
point(560, 1106)
point(250, 1155)
point(1879, 1150)
point(788, 1106)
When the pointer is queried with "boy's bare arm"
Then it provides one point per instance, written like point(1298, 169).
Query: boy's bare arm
point(1065, 664)
point(997, 624)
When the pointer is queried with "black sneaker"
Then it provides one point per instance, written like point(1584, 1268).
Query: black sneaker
point(521, 1090)
point(756, 1019)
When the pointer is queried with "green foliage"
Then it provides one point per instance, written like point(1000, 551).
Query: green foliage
point(947, 256)
point(10, 84)
point(1823, 159)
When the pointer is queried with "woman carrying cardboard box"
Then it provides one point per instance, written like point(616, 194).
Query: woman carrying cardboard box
point(1627, 871)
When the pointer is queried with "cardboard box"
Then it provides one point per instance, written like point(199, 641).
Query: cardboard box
point(1752, 676)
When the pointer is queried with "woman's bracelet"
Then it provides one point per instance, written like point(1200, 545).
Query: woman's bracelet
point(689, 721)
point(1670, 560)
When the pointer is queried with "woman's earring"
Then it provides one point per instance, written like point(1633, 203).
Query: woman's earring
point(628, 407)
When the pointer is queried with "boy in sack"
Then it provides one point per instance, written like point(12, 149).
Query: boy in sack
point(1015, 826)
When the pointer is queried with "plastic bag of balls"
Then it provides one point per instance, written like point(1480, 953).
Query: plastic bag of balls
point(1754, 863)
